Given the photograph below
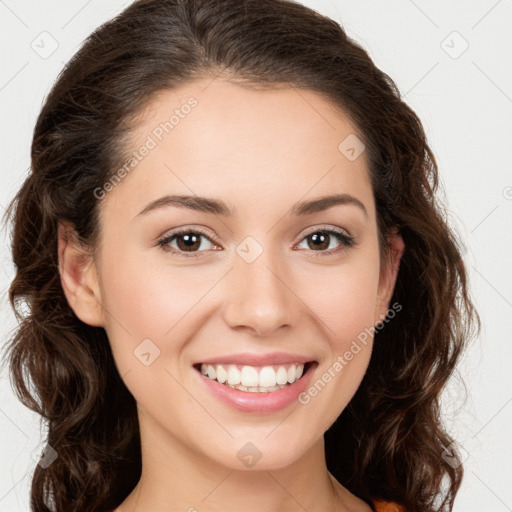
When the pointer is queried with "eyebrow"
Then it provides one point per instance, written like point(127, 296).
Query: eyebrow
point(217, 207)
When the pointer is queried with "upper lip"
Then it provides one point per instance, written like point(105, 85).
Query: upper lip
point(274, 358)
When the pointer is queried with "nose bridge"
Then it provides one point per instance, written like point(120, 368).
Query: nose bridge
point(258, 293)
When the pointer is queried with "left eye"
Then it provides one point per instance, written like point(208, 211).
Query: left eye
point(321, 239)
point(189, 241)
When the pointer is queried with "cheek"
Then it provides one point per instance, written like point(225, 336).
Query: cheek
point(344, 298)
point(345, 301)
point(143, 302)
point(160, 302)
point(351, 311)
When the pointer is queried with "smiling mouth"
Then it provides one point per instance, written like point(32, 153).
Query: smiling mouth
point(256, 379)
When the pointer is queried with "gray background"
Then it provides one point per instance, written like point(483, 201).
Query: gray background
point(464, 98)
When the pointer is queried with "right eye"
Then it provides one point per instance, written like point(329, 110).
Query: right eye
point(187, 240)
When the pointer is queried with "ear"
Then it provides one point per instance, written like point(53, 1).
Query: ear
point(388, 275)
point(79, 277)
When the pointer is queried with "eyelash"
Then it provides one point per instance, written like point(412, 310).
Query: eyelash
point(346, 240)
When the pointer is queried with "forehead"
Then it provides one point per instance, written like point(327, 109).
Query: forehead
point(219, 139)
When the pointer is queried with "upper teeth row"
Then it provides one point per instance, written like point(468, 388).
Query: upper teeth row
point(251, 376)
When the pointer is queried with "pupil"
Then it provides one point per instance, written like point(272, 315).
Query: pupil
point(319, 240)
point(189, 240)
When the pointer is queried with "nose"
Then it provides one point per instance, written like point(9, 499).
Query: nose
point(260, 297)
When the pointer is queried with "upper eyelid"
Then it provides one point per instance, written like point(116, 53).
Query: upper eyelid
point(314, 229)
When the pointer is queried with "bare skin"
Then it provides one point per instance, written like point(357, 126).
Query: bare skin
point(260, 152)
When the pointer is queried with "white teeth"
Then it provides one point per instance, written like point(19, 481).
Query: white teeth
point(268, 377)
point(222, 375)
point(249, 376)
point(254, 379)
point(256, 389)
point(281, 375)
point(292, 372)
point(233, 375)
point(211, 372)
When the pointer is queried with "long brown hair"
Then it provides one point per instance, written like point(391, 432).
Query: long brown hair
point(389, 442)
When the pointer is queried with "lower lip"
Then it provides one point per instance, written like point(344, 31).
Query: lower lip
point(247, 401)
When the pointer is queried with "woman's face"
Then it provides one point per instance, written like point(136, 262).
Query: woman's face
point(260, 273)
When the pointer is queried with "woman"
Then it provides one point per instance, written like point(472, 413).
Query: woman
point(242, 292)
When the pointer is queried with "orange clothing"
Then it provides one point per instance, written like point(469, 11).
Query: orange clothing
point(387, 506)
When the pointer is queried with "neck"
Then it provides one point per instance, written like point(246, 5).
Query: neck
point(174, 477)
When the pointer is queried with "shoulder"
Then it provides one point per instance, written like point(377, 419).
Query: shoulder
point(387, 506)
